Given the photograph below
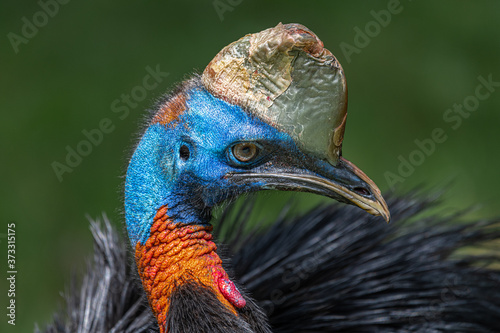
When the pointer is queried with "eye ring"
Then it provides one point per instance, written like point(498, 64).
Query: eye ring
point(245, 152)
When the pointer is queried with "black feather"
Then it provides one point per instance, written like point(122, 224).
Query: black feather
point(334, 269)
point(110, 297)
point(193, 306)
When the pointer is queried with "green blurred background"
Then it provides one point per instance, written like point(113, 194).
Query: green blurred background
point(64, 79)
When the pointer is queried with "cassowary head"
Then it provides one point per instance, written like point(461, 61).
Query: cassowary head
point(268, 112)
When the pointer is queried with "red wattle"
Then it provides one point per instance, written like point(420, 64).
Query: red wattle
point(229, 290)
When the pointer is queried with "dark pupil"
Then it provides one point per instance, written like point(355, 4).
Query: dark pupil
point(184, 152)
point(246, 151)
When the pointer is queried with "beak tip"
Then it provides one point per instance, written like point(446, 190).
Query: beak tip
point(384, 212)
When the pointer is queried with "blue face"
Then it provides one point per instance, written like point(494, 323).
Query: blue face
point(186, 163)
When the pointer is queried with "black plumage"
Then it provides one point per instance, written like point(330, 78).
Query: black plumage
point(334, 269)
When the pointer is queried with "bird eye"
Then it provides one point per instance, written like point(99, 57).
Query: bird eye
point(245, 151)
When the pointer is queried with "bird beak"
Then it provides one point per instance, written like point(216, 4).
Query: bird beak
point(344, 182)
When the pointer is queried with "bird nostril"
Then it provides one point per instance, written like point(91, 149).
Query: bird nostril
point(184, 152)
point(361, 191)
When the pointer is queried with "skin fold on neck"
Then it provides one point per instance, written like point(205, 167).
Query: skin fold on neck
point(176, 253)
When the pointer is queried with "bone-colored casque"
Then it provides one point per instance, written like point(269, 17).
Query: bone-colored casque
point(285, 76)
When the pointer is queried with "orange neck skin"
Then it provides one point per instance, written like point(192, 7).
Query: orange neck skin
point(176, 253)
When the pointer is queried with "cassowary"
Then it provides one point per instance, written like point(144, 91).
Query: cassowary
point(268, 113)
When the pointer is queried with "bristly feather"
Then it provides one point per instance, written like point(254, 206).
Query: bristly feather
point(337, 269)
point(193, 306)
point(110, 297)
point(334, 269)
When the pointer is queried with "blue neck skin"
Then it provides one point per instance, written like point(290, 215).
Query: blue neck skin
point(158, 176)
